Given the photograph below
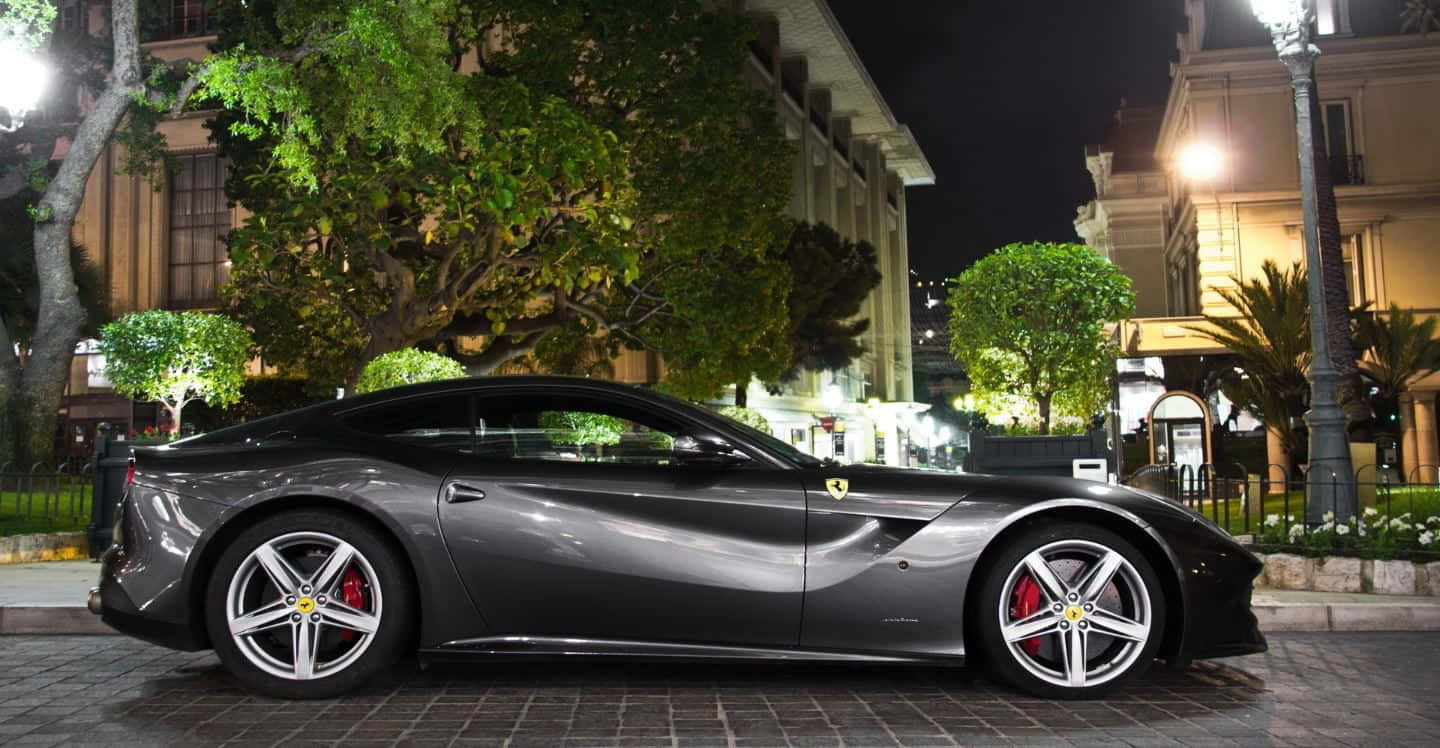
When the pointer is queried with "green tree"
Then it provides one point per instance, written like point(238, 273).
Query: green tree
point(407, 366)
point(1029, 320)
point(434, 186)
point(126, 93)
point(1270, 340)
point(174, 358)
point(1401, 348)
point(830, 279)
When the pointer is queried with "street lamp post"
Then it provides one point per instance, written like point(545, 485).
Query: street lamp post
point(1330, 481)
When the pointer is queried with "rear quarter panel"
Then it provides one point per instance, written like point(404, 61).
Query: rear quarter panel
point(398, 489)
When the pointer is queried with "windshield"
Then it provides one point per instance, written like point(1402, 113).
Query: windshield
point(778, 447)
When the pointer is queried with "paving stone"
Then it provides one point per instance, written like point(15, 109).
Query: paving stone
point(1309, 689)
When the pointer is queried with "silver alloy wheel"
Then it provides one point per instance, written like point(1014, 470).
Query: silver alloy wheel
point(1094, 618)
point(282, 616)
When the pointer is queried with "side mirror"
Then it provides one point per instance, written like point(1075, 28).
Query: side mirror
point(689, 450)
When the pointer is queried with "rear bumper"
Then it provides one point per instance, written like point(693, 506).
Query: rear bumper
point(119, 612)
point(143, 590)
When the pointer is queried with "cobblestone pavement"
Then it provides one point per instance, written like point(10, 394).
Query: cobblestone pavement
point(1310, 690)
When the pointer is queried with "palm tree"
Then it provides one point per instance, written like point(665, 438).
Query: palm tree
point(1271, 344)
point(1401, 349)
point(1420, 15)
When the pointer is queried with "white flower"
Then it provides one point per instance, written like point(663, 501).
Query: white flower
point(1427, 537)
point(1297, 531)
point(1399, 524)
point(1272, 520)
point(1405, 516)
point(1361, 529)
point(1327, 517)
point(1433, 520)
point(1342, 530)
point(1371, 511)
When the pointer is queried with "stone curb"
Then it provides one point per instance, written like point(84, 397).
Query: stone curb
point(1273, 617)
point(47, 546)
point(50, 620)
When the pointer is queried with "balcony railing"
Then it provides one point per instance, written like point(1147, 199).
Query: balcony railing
point(1347, 170)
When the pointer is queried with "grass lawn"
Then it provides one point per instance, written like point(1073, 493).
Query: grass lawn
point(1419, 501)
point(24, 513)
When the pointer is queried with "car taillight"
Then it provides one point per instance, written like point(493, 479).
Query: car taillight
point(130, 472)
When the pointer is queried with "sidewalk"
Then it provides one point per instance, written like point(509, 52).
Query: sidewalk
point(49, 598)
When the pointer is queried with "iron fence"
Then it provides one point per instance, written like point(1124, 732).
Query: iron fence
point(52, 495)
point(1242, 502)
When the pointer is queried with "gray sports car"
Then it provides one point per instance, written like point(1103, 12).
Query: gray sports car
point(542, 516)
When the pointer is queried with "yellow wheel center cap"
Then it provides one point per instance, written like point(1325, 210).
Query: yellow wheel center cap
point(305, 605)
point(1074, 613)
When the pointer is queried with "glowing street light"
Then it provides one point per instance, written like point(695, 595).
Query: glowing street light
point(832, 397)
point(22, 83)
point(1200, 162)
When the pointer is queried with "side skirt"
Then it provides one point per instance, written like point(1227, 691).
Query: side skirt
point(567, 647)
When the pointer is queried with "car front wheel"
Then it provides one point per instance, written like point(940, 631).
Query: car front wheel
point(1070, 610)
point(308, 604)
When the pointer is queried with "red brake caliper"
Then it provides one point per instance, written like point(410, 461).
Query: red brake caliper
point(1026, 601)
point(352, 590)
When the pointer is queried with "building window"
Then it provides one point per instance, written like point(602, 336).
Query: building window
point(1350, 249)
point(176, 19)
point(1332, 17)
point(1346, 167)
point(198, 218)
point(69, 18)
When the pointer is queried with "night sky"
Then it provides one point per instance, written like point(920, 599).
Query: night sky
point(1003, 97)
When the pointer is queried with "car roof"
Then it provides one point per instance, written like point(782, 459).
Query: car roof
point(481, 384)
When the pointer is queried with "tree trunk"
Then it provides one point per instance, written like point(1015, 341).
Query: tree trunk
point(742, 395)
point(1043, 401)
point(61, 316)
point(9, 386)
point(1337, 285)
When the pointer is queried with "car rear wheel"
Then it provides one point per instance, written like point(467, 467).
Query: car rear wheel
point(308, 604)
point(1069, 610)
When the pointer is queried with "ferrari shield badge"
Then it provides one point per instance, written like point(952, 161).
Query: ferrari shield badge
point(837, 487)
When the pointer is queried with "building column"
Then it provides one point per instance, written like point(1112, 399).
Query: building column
point(1409, 446)
point(1277, 468)
point(1425, 436)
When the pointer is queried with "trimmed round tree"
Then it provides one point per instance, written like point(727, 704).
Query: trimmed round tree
point(174, 358)
point(1029, 320)
point(407, 366)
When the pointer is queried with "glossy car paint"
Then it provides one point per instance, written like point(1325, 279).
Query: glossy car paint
point(753, 561)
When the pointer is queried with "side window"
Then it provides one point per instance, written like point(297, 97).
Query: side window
point(572, 430)
point(440, 423)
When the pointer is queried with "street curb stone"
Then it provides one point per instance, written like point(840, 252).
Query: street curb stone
point(44, 546)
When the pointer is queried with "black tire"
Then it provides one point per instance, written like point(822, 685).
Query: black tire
point(1004, 663)
point(392, 637)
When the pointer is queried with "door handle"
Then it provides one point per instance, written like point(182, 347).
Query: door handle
point(459, 493)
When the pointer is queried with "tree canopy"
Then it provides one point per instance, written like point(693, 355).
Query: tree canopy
point(407, 366)
point(832, 276)
point(474, 176)
point(176, 357)
point(1029, 320)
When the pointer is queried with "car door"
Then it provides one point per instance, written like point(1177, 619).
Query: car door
point(574, 518)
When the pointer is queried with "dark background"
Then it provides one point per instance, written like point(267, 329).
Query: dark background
point(1003, 97)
